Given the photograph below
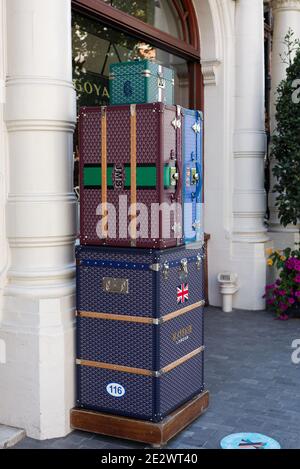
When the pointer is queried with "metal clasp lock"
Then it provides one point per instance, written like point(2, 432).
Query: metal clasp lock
point(146, 73)
point(166, 270)
point(177, 229)
point(199, 261)
point(196, 128)
point(177, 122)
point(194, 176)
point(174, 176)
point(161, 80)
point(196, 226)
point(183, 268)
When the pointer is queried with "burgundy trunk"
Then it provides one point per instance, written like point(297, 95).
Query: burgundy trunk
point(157, 163)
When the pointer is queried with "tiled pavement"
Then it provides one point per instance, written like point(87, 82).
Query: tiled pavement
point(254, 386)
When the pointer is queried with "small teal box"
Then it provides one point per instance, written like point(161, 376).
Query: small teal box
point(140, 81)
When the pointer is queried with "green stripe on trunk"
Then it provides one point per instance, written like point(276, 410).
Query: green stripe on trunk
point(92, 176)
point(146, 176)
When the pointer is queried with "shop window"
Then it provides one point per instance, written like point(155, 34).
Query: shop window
point(108, 31)
point(96, 46)
point(162, 14)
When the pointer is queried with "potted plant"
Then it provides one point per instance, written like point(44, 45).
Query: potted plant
point(285, 149)
point(283, 296)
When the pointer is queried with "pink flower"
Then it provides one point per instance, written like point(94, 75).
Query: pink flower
point(293, 264)
point(283, 317)
point(297, 278)
point(290, 263)
point(297, 294)
point(283, 306)
point(282, 292)
point(291, 301)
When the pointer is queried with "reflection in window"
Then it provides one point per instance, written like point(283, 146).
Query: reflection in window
point(158, 13)
point(96, 46)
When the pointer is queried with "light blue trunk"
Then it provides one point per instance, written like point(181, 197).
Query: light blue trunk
point(192, 190)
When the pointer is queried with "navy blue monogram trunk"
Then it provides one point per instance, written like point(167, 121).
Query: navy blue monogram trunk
point(139, 329)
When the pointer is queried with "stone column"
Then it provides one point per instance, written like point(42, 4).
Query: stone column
point(3, 153)
point(286, 14)
point(37, 327)
point(249, 199)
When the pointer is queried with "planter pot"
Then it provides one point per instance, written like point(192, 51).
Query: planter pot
point(294, 311)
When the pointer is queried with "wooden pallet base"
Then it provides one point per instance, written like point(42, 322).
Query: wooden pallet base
point(156, 434)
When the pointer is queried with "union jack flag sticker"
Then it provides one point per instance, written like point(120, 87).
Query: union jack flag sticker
point(182, 293)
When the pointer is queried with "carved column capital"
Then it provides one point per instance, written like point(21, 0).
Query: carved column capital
point(209, 70)
point(285, 5)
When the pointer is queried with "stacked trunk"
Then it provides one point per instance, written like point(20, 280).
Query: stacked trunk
point(140, 264)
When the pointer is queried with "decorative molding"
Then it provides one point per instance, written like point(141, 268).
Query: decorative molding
point(249, 154)
point(37, 80)
point(248, 237)
point(209, 70)
point(42, 241)
point(286, 4)
point(42, 277)
point(37, 125)
point(47, 290)
point(39, 198)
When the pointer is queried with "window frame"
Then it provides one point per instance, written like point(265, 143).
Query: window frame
point(188, 50)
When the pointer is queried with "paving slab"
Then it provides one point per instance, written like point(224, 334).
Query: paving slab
point(10, 436)
point(253, 383)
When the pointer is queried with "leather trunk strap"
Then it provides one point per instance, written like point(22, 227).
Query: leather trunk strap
point(104, 170)
point(133, 172)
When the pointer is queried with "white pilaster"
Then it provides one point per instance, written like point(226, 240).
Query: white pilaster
point(286, 14)
point(3, 153)
point(249, 139)
point(249, 200)
point(37, 327)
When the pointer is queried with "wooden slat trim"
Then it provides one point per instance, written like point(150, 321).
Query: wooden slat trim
point(182, 360)
point(140, 371)
point(114, 317)
point(138, 319)
point(185, 310)
point(111, 366)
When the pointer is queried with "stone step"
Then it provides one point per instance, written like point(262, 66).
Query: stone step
point(10, 436)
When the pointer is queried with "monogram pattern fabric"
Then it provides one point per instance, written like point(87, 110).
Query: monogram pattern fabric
point(145, 397)
point(112, 341)
point(146, 297)
point(156, 142)
point(129, 84)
